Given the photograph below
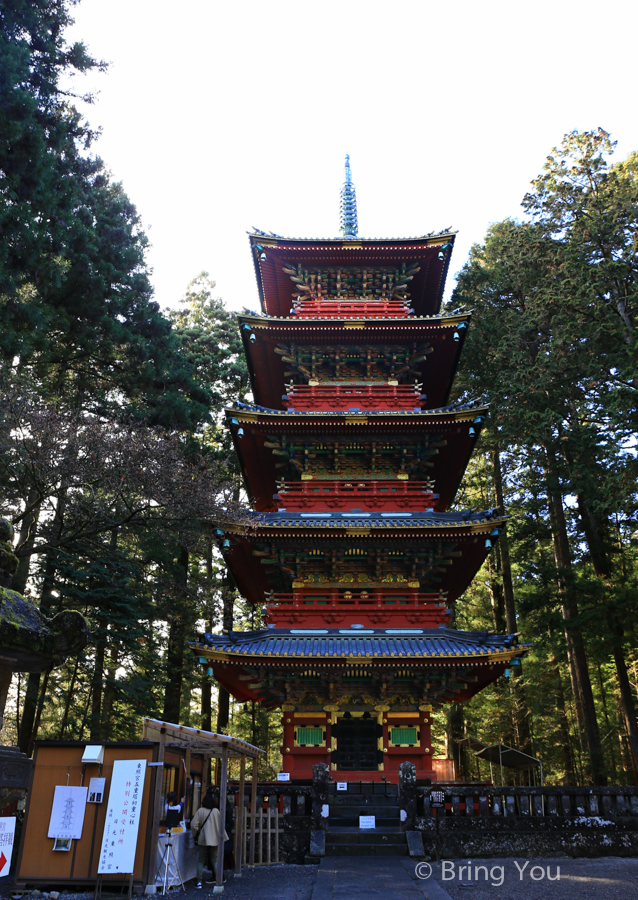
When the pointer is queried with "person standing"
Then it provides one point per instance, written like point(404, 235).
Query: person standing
point(205, 828)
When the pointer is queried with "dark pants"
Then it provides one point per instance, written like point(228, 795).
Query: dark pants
point(206, 855)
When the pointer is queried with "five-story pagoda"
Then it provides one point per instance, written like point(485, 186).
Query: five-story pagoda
point(351, 457)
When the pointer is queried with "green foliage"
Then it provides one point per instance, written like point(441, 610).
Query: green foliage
point(552, 348)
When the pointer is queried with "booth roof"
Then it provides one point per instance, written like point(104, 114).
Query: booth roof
point(508, 756)
point(200, 741)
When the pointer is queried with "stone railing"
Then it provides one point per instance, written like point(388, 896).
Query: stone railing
point(289, 799)
point(531, 801)
point(476, 822)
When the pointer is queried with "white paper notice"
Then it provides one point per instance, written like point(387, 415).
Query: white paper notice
point(96, 790)
point(67, 813)
point(7, 832)
point(367, 822)
point(342, 785)
point(119, 841)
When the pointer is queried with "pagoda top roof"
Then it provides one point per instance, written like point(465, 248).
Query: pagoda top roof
point(402, 643)
point(260, 236)
point(271, 253)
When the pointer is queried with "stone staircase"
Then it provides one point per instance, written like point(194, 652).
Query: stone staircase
point(343, 835)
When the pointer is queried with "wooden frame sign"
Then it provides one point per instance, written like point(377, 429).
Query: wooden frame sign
point(122, 824)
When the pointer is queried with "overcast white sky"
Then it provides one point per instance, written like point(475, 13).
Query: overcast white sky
point(219, 116)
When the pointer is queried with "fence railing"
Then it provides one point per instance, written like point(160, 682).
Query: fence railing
point(265, 835)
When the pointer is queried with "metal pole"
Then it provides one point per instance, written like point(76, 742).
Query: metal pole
point(500, 760)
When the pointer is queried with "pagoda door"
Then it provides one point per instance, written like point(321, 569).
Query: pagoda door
point(356, 744)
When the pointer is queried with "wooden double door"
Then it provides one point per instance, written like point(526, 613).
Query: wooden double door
point(356, 744)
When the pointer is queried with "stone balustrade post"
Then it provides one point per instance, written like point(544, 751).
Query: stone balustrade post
point(407, 795)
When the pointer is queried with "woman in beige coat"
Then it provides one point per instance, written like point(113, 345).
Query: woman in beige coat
point(205, 828)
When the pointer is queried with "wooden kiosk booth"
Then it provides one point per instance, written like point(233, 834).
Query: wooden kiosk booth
point(169, 757)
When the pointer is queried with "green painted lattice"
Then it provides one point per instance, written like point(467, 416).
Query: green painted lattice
point(404, 735)
point(309, 735)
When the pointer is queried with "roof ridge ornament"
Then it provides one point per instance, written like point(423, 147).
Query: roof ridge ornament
point(348, 205)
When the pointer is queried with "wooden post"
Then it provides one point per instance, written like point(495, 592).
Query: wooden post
point(223, 787)
point(269, 832)
point(205, 767)
point(261, 835)
point(156, 812)
point(239, 815)
point(187, 812)
point(253, 811)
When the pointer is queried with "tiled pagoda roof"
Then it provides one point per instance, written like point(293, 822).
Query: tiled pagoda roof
point(472, 406)
point(347, 643)
point(271, 253)
point(429, 518)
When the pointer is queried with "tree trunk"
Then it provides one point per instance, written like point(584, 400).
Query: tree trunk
point(109, 691)
point(176, 647)
point(563, 724)
point(503, 545)
point(626, 697)
point(581, 682)
point(603, 697)
point(97, 685)
point(495, 586)
point(38, 715)
point(594, 536)
point(26, 541)
point(69, 698)
point(28, 728)
point(223, 707)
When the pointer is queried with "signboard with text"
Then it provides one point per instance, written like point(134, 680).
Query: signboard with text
point(7, 832)
point(119, 841)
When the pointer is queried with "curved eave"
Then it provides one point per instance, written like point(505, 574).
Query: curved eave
point(431, 659)
point(276, 289)
point(266, 369)
point(418, 528)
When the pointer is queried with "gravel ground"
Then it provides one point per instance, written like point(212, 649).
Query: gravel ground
point(508, 879)
point(279, 882)
point(580, 879)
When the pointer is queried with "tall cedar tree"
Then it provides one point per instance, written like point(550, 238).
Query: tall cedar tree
point(550, 348)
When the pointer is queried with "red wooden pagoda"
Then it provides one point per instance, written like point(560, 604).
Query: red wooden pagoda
point(351, 457)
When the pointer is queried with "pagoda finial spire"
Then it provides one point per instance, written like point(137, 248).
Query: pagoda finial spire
point(348, 206)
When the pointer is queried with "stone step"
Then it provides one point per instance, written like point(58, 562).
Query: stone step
point(382, 836)
point(364, 809)
point(362, 800)
point(365, 850)
point(366, 789)
point(353, 821)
